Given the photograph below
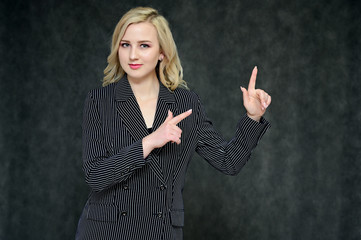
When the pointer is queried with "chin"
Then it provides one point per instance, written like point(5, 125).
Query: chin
point(138, 75)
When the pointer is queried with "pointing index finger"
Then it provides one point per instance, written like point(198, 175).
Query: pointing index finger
point(181, 116)
point(252, 80)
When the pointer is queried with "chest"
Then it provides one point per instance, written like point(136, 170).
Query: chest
point(148, 109)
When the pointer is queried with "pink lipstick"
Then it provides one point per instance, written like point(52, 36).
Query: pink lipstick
point(135, 66)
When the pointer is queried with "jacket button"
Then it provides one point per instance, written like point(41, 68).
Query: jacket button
point(124, 213)
point(162, 187)
point(159, 214)
point(125, 187)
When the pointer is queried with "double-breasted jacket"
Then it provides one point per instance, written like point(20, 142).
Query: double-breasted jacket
point(136, 198)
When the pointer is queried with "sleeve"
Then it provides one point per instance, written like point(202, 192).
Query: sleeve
point(102, 170)
point(228, 157)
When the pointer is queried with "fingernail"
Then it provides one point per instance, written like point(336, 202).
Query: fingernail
point(190, 110)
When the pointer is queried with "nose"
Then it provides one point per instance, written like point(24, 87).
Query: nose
point(133, 55)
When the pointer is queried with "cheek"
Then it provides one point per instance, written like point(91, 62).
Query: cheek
point(121, 55)
point(150, 56)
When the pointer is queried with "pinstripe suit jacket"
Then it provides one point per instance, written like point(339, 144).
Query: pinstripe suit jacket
point(136, 198)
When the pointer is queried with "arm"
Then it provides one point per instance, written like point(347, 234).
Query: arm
point(102, 170)
point(167, 132)
point(228, 157)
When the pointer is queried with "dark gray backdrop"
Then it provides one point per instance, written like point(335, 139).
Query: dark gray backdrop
point(303, 181)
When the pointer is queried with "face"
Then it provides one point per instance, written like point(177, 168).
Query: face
point(139, 51)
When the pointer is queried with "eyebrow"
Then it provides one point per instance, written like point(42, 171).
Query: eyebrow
point(142, 41)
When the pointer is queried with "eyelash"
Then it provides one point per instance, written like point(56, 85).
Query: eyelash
point(124, 45)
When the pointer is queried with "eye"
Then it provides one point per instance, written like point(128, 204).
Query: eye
point(143, 45)
point(124, 45)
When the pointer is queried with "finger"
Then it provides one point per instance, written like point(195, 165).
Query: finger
point(269, 100)
point(245, 94)
point(263, 97)
point(181, 116)
point(176, 136)
point(266, 100)
point(169, 117)
point(176, 130)
point(175, 139)
point(252, 80)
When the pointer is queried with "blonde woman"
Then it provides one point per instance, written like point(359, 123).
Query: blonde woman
point(140, 130)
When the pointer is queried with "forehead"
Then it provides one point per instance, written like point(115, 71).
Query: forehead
point(140, 32)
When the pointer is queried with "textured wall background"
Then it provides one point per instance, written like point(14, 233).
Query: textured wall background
point(304, 179)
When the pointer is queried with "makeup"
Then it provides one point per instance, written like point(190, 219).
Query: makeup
point(135, 66)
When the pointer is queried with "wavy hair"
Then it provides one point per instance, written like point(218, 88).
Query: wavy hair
point(169, 70)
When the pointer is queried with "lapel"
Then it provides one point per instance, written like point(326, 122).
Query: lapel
point(129, 110)
point(132, 117)
point(166, 101)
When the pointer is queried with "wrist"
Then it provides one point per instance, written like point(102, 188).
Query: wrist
point(147, 146)
point(147, 142)
point(253, 117)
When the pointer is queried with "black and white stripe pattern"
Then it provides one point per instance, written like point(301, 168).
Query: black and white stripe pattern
point(136, 198)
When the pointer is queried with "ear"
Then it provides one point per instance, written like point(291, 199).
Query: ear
point(161, 56)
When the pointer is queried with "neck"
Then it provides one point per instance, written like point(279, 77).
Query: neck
point(146, 88)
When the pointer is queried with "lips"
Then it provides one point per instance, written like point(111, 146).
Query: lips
point(135, 66)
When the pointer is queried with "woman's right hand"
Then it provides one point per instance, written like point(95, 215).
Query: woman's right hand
point(167, 132)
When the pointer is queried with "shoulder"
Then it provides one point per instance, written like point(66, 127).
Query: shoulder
point(182, 94)
point(187, 99)
point(102, 93)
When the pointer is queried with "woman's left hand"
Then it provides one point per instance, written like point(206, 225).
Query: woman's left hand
point(255, 101)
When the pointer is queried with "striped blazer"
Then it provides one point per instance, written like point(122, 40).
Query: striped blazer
point(136, 198)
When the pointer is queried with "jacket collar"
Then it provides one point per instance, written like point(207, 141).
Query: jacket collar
point(123, 91)
point(131, 115)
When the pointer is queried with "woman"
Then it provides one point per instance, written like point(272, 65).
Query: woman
point(141, 129)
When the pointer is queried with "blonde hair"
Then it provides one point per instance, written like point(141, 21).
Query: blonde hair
point(169, 69)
